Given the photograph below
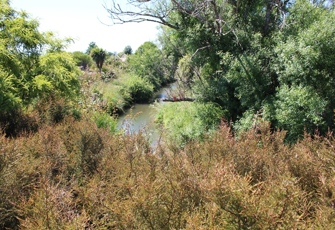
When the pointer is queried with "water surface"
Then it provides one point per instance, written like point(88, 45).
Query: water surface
point(141, 117)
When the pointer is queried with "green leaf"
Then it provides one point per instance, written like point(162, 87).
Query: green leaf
point(42, 84)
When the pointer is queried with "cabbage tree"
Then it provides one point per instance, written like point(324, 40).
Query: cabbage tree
point(99, 56)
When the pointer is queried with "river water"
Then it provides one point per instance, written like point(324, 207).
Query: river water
point(141, 117)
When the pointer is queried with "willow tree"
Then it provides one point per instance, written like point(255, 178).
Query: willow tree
point(252, 57)
point(209, 30)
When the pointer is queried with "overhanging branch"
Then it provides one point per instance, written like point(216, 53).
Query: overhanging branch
point(208, 12)
point(141, 12)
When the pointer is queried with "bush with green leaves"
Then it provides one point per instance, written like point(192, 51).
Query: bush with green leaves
point(299, 109)
point(137, 89)
point(185, 121)
point(99, 57)
point(82, 60)
point(106, 121)
point(307, 58)
point(33, 65)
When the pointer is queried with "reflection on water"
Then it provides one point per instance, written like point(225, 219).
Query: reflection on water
point(141, 117)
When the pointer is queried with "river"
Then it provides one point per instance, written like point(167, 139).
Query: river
point(141, 117)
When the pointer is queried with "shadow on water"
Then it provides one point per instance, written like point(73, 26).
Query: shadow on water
point(141, 117)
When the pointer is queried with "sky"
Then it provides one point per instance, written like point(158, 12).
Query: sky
point(86, 21)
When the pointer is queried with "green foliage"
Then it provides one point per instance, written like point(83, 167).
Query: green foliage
point(58, 75)
point(307, 58)
point(104, 120)
point(147, 63)
point(251, 74)
point(302, 15)
point(299, 108)
point(83, 60)
point(188, 121)
point(9, 99)
point(137, 89)
point(99, 56)
point(243, 56)
point(32, 64)
point(91, 46)
point(128, 50)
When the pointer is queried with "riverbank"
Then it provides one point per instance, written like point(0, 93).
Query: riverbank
point(117, 95)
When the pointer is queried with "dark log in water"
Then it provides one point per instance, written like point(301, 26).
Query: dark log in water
point(176, 99)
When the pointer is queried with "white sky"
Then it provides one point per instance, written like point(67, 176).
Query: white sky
point(83, 21)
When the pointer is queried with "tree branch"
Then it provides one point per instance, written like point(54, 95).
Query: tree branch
point(159, 11)
point(141, 12)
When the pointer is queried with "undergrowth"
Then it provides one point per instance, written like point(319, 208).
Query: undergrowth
point(74, 175)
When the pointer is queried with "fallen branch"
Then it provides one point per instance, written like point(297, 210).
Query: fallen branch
point(176, 99)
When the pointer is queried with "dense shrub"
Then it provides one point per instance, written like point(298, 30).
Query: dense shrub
point(84, 61)
point(74, 175)
point(15, 122)
point(118, 94)
point(188, 121)
point(137, 89)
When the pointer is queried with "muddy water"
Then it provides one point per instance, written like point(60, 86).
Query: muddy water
point(141, 117)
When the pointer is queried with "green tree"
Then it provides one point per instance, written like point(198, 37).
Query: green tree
point(147, 63)
point(128, 50)
point(307, 57)
point(90, 47)
point(99, 56)
point(299, 108)
point(33, 65)
point(248, 56)
point(82, 59)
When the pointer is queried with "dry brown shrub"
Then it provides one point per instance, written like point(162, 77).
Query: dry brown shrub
point(18, 177)
point(73, 175)
point(51, 207)
point(16, 122)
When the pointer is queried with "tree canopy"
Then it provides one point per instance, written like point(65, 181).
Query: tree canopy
point(149, 63)
point(33, 65)
point(90, 47)
point(82, 60)
point(272, 58)
point(128, 50)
